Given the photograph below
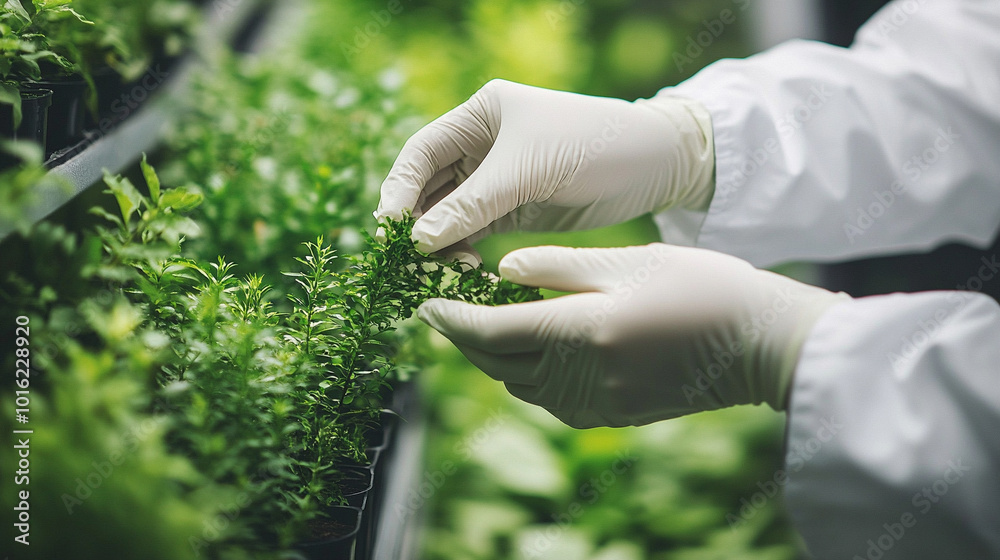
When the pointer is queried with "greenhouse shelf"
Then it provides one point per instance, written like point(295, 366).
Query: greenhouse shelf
point(398, 530)
point(83, 165)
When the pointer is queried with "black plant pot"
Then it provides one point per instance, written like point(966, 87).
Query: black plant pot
point(34, 114)
point(379, 448)
point(108, 87)
point(373, 471)
point(380, 443)
point(336, 535)
point(378, 437)
point(67, 113)
point(35, 104)
point(356, 484)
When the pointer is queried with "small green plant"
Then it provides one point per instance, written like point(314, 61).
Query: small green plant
point(24, 45)
point(342, 322)
point(383, 286)
point(42, 39)
point(127, 35)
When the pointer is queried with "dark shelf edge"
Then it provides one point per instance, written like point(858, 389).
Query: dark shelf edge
point(399, 527)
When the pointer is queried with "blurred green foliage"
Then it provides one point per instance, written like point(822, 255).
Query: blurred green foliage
point(446, 49)
point(102, 477)
point(525, 486)
point(284, 152)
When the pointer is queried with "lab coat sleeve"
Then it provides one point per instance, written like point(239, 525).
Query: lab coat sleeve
point(825, 153)
point(894, 429)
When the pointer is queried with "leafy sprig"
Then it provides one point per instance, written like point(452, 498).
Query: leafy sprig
point(385, 284)
point(423, 277)
point(341, 323)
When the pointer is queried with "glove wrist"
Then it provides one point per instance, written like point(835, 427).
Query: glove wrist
point(692, 124)
point(781, 344)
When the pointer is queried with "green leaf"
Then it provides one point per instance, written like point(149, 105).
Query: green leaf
point(98, 211)
point(11, 95)
point(28, 152)
point(32, 71)
point(152, 180)
point(15, 7)
point(177, 227)
point(125, 193)
point(71, 11)
point(181, 199)
point(47, 54)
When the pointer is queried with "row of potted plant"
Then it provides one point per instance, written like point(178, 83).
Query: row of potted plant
point(67, 66)
point(272, 400)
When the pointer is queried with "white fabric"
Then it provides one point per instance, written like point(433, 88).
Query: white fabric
point(894, 395)
point(824, 153)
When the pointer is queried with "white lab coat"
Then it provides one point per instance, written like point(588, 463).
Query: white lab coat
point(893, 145)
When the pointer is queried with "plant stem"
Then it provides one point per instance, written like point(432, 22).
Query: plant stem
point(365, 318)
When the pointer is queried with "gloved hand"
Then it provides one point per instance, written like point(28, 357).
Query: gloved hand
point(656, 332)
point(516, 157)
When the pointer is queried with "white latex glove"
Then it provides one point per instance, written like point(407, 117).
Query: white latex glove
point(658, 331)
point(516, 157)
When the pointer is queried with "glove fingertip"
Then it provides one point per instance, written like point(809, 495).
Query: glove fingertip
point(467, 257)
point(510, 267)
point(422, 239)
point(389, 210)
point(441, 314)
point(521, 265)
point(515, 262)
point(427, 311)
